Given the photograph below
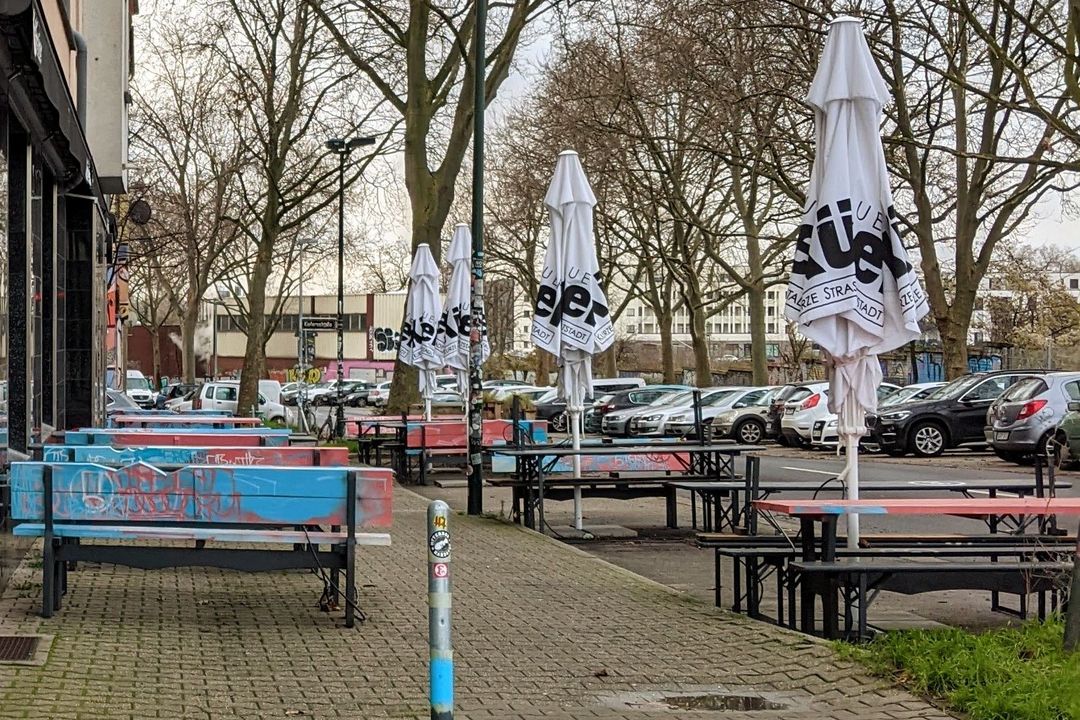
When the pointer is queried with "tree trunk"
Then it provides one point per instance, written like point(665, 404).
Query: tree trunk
point(1072, 613)
point(254, 358)
point(609, 366)
point(155, 342)
point(667, 348)
point(702, 365)
point(188, 324)
point(543, 368)
point(953, 348)
point(755, 296)
point(914, 363)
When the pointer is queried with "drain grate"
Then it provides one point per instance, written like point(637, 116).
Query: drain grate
point(18, 648)
point(722, 702)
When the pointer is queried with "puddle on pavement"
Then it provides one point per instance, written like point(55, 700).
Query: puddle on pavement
point(736, 703)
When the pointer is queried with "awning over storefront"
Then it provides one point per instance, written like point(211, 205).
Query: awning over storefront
point(38, 94)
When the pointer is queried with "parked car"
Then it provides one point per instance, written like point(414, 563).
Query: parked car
point(379, 395)
point(618, 422)
point(953, 416)
point(330, 395)
point(224, 394)
point(447, 399)
point(171, 392)
point(446, 382)
point(636, 397)
point(745, 420)
point(910, 393)
point(492, 384)
point(117, 402)
point(656, 421)
point(716, 404)
point(805, 406)
point(137, 387)
point(776, 411)
point(826, 431)
point(289, 391)
point(1068, 433)
point(554, 409)
point(1023, 421)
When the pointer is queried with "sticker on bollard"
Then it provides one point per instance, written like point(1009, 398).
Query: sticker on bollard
point(439, 604)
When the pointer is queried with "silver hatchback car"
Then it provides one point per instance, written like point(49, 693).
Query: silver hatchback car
point(1023, 419)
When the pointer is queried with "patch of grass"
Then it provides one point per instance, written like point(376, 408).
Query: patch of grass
point(352, 444)
point(1015, 673)
point(275, 425)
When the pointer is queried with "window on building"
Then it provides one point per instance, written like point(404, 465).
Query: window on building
point(770, 311)
point(1074, 283)
point(770, 327)
point(355, 322)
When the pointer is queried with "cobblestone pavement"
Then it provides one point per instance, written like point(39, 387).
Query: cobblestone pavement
point(542, 630)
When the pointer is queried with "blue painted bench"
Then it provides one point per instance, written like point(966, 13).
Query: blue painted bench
point(305, 507)
point(200, 436)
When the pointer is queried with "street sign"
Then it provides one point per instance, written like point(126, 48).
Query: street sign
point(323, 322)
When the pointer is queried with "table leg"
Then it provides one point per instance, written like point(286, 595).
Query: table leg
point(693, 509)
point(829, 609)
point(806, 585)
point(717, 570)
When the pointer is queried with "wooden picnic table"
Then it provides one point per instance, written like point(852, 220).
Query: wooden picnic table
point(177, 420)
point(821, 547)
point(715, 461)
point(715, 515)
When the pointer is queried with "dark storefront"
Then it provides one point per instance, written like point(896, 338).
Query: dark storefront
point(52, 251)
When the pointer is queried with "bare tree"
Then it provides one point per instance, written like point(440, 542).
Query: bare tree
point(289, 91)
point(188, 162)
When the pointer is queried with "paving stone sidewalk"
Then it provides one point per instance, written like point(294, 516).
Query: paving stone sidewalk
point(542, 630)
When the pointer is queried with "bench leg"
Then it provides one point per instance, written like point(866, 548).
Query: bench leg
point(672, 507)
point(350, 584)
point(717, 591)
point(736, 585)
point(48, 578)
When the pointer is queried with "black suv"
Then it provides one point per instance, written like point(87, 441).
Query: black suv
point(953, 415)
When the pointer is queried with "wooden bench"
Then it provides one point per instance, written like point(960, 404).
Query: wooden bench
point(121, 437)
point(171, 455)
point(305, 508)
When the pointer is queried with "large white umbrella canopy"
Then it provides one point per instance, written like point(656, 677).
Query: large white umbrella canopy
point(453, 336)
point(422, 312)
point(853, 289)
point(571, 320)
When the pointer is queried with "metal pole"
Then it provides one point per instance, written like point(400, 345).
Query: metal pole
point(300, 318)
point(214, 376)
point(339, 431)
point(439, 604)
point(476, 389)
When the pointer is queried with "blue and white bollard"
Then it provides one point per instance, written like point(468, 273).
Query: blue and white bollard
point(439, 635)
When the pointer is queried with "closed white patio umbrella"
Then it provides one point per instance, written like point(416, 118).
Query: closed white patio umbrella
point(422, 312)
point(852, 290)
point(452, 337)
point(571, 320)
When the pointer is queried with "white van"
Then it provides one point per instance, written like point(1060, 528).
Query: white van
point(271, 389)
point(137, 387)
point(223, 395)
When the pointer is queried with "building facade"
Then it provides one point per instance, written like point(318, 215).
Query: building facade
point(63, 80)
point(372, 329)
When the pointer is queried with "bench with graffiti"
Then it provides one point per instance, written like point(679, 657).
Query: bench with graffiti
point(430, 443)
point(205, 437)
point(298, 517)
point(179, 455)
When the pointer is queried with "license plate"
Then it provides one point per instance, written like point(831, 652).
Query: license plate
point(1001, 436)
point(789, 411)
point(768, 427)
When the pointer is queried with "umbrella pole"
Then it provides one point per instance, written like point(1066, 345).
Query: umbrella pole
point(427, 409)
point(575, 434)
point(853, 417)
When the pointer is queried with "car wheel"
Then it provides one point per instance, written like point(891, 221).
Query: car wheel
point(927, 439)
point(749, 432)
point(277, 419)
point(559, 422)
point(1013, 456)
point(1047, 445)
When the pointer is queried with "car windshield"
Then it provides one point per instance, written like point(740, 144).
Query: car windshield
point(718, 398)
point(673, 398)
point(900, 396)
point(956, 388)
point(138, 383)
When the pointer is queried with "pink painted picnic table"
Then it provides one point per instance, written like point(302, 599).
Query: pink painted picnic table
point(963, 507)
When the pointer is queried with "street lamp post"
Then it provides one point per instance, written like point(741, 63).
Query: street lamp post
point(342, 147)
